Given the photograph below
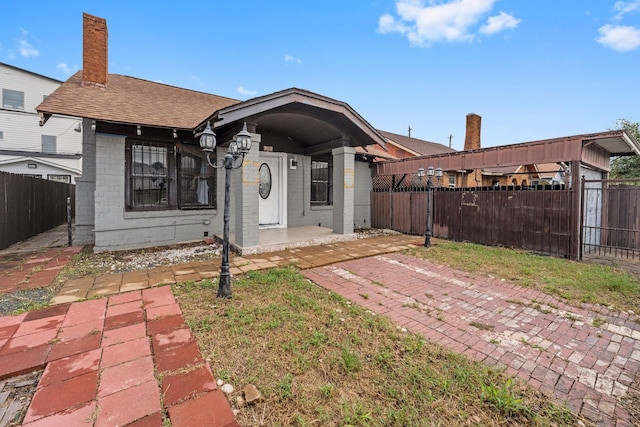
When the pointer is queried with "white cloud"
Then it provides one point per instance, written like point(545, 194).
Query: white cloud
point(243, 91)
point(24, 47)
point(498, 23)
point(624, 7)
point(620, 38)
point(437, 20)
point(66, 69)
point(289, 58)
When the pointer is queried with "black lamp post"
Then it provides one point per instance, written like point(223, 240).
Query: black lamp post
point(430, 172)
point(238, 148)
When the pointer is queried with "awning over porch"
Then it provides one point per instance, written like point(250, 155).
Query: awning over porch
point(317, 122)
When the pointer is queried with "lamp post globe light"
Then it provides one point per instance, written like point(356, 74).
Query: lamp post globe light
point(430, 173)
point(238, 148)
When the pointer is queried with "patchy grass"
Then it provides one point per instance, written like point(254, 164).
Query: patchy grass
point(320, 360)
point(576, 282)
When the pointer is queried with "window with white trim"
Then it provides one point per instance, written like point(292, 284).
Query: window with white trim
point(59, 178)
point(12, 99)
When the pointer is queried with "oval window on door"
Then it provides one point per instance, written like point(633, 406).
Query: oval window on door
point(265, 181)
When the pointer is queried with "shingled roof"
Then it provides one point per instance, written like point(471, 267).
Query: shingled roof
point(422, 147)
point(129, 100)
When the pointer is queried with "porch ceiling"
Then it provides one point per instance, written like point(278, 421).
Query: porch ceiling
point(316, 122)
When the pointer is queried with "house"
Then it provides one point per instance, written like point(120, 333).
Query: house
point(54, 152)
point(401, 147)
point(146, 182)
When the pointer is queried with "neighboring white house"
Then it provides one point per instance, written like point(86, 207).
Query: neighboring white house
point(26, 148)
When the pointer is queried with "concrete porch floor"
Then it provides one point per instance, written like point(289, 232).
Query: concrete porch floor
point(279, 239)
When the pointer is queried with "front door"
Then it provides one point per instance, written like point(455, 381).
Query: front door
point(271, 190)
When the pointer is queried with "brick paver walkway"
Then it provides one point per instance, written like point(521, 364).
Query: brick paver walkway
point(35, 270)
point(100, 355)
point(127, 358)
point(305, 257)
point(588, 358)
point(99, 358)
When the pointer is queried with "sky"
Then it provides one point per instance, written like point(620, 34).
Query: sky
point(532, 69)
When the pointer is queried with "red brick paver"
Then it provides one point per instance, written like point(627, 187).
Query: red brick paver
point(100, 363)
point(535, 336)
point(35, 270)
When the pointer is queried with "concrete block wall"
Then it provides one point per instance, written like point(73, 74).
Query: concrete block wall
point(299, 209)
point(362, 197)
point(116, 228)
point(246, 195)
point(85, 189)
point(343, 189)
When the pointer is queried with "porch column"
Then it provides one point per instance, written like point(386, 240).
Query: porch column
point(343, 189)
point(245, 193)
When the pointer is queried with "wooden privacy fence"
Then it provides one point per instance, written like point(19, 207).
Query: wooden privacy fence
point(30, 206)
point(538, 219)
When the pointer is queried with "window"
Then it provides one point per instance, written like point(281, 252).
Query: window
point(156, 179)
point(13, 99)
point(60, 178)
point(48, 144)
point(1, 134)
point(452, 181)
point(148, 175)
point(321, 183)
point(196, 179)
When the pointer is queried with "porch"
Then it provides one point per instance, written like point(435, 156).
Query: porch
point(278, 239)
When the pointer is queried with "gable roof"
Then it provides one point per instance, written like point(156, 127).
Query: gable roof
point(318, 122)
point(33, 159)
point(129, 100)
point(420, 146)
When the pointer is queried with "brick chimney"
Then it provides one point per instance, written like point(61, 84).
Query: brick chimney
point(472, 137)
point(94, 51)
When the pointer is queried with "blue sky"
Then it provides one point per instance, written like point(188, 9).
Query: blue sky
point(531, 69)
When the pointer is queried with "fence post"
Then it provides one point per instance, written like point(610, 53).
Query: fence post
point(69, 221)
point(581, 233)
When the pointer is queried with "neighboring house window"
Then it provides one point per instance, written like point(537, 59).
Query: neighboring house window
point(48, 144)
point(147, 175)
point(60, 178)
point(321, 183)
point(13, 99)
point(196, 179)
point(1, 134)
point(452, 181)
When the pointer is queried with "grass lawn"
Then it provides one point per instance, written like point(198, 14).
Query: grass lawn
point(577, 282)
point(319, 360)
